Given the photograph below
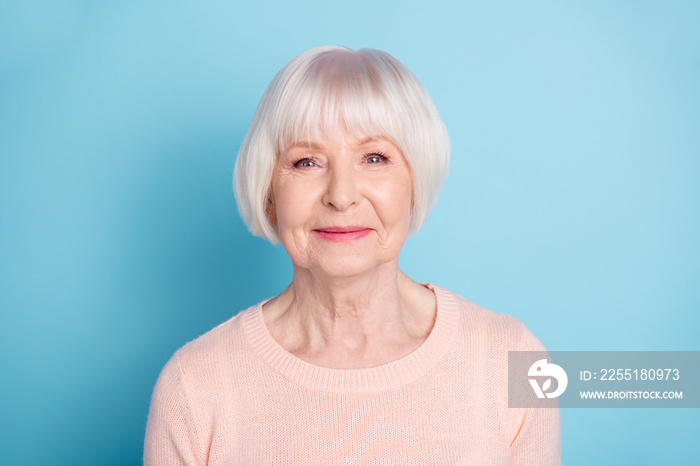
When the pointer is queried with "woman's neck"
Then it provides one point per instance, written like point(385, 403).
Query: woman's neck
point(350, 322)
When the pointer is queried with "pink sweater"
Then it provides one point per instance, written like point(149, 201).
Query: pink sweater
point(235, 396)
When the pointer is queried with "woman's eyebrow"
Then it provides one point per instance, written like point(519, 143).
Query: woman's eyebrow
point(318, 146)
point(304, 145)
point(369, 139)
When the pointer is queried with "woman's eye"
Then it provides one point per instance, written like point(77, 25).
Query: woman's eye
point(376, 158)
point(305, 163)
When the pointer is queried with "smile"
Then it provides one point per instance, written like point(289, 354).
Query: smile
point(342, 234)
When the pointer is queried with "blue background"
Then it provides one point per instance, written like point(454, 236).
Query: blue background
point(572, 201)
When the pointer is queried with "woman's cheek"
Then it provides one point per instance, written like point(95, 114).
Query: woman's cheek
point(293, 214)
point(396, 199)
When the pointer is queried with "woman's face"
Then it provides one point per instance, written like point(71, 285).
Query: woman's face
point(343, 205)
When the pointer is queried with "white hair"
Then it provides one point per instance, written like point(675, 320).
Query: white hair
point(368, 92)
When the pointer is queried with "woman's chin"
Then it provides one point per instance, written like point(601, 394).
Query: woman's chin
point(338, 266)
point(348, 259)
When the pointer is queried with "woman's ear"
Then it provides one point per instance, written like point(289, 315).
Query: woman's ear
point(270, 209)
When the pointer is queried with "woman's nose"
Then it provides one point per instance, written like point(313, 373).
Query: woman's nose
point(341, 192)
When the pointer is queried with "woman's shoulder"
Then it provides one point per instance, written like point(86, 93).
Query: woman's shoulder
point(478, 323)
point(200, 381)
point(219, 347)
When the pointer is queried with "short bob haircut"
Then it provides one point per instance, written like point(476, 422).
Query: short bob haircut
point(365, 92)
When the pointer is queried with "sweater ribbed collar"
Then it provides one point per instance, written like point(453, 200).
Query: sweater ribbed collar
point(386, 376)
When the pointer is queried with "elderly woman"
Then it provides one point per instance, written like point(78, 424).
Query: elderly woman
point(353, 363)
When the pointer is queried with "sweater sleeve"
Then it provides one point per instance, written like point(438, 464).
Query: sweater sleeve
point(171, 436)
point(536, 438)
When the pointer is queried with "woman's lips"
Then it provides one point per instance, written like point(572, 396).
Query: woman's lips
point(342, 234)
